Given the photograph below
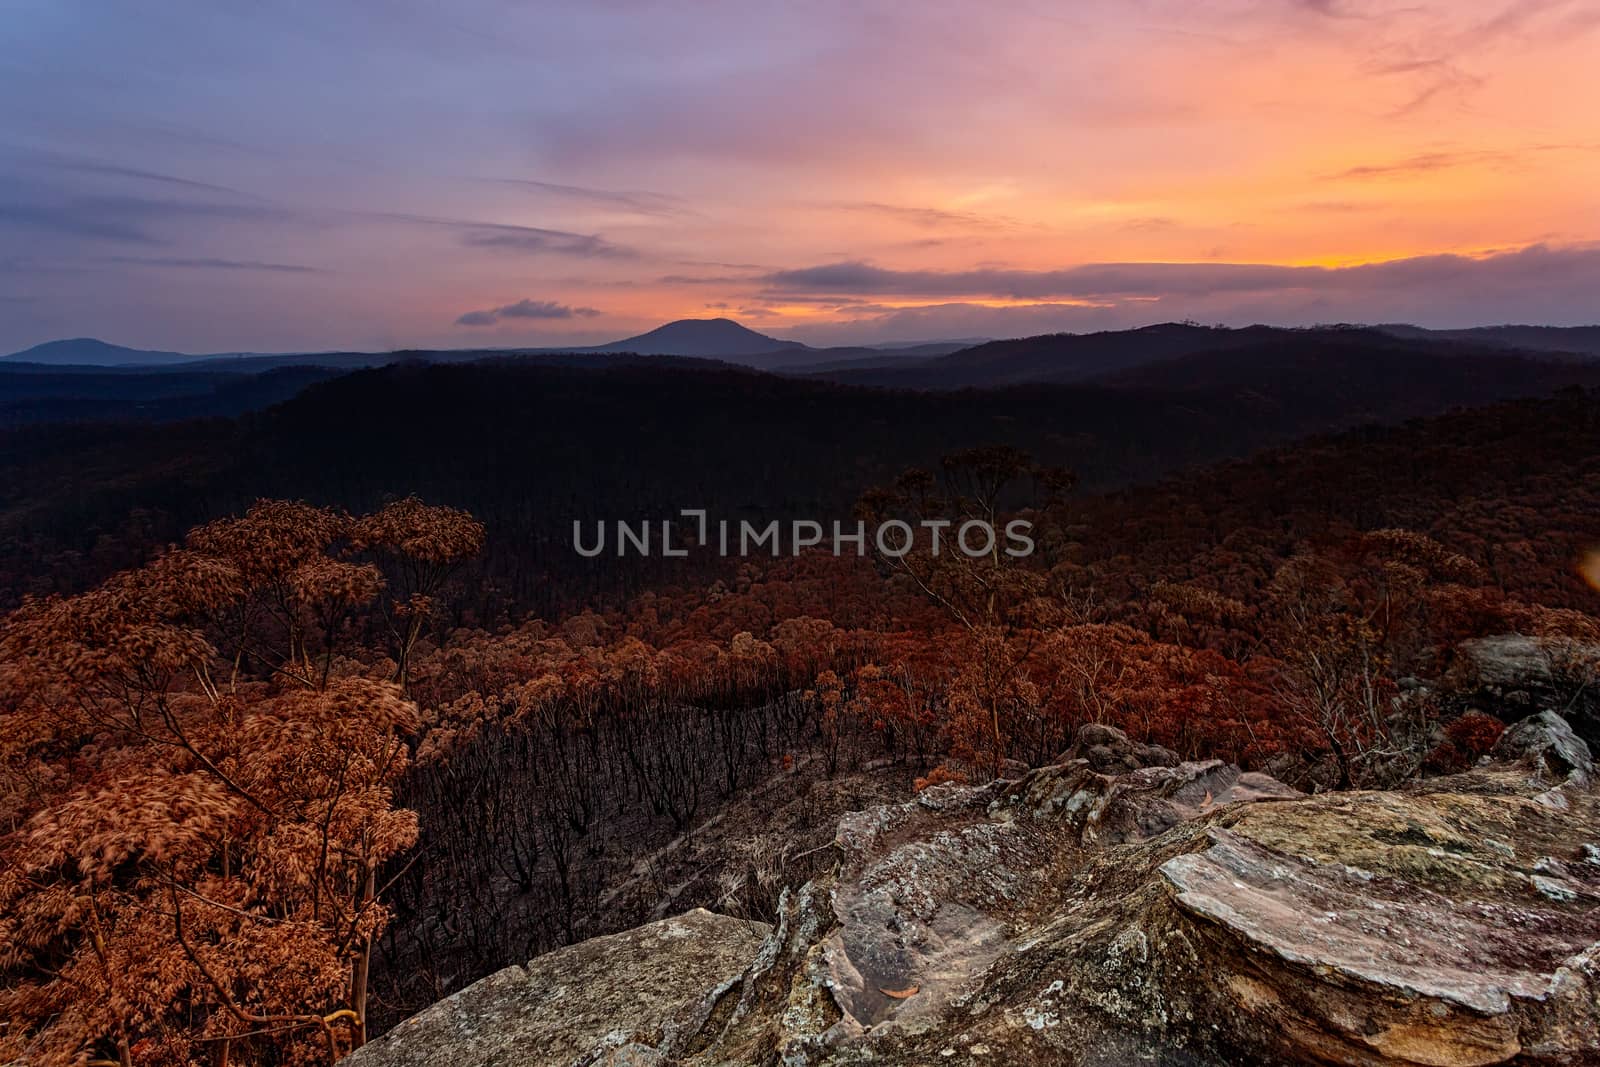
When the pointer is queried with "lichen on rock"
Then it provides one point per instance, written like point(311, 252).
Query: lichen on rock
point(1185, 914)
point(605, 1000)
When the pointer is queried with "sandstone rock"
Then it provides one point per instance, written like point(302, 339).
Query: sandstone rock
point(1143, 803)
point(586, 1000)
point(1190, 915)
point(1508, 661)
point(1011, 769)
point(1426, 962)
point(1368, 929)
point(1110, 751)
point(1546, 743)
point(1515, 675)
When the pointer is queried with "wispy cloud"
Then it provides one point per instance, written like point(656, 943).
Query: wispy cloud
point(640, 202)
point(532, 241)
point(1450, 159)
point(1530, 284)
point(1334, 207)
point(113, 170)
point(121, 219)
point(1083, 282)
point(1326, 8)
point(704, 279)
point(1151, 224)
point(62, 220)
point(1439, 79)
point(528, 240)
point(526, 309)
point(1518, 18)
point(1120, 281)
point(210, 263)
point(1421, 163)
point(932, 218)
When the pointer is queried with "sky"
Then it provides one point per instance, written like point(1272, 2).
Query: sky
point(224, 175)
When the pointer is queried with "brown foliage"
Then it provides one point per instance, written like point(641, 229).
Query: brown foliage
point(201, 757)
point(197, 797)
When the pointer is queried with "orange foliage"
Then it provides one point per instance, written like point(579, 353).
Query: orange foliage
point(196, 797)
point(198, 758)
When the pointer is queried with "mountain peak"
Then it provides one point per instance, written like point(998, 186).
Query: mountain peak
point(92, 352)
point(700, 337)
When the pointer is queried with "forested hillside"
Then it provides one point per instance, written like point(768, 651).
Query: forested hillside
point(529, 447)
point(284, 784)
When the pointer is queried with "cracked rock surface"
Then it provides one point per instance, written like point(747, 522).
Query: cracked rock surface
point(1183, 915)
point(601, 995)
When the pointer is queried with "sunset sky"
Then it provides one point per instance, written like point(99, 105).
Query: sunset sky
point(219, 175)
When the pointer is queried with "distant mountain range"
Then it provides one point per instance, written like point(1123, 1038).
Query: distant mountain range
point(721, 339)
point(1577, 339)
point(1114, 355)
point(1050, 358)
point(705, 338)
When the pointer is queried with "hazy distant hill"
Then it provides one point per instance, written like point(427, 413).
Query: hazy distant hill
point(853, 358)
point(727, 340)
point(1351, 376)
point(715, 338)
point(35, 393)
point(1584, 340)
point(1260, 351)
point(1057, 358)
point(528, 444)
point(32, 393)
point(721, 339)
point(89, 352)
point(1054, 358)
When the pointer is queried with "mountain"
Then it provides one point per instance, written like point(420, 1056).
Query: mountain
point(1258, 352)
point(704, 338)
point(1059, 358)
point(819, 361)
point(805, 446)
point(89, 352)
point(34, 393)
point(1062, 358)
point(714, 338)
point(1577, 340)
point(1339, 376)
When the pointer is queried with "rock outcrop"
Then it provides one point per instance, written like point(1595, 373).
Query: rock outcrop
point(1516, 675)
point(1546, 744)
point(598, 997)
point(1110, 751)
point(1187, 914)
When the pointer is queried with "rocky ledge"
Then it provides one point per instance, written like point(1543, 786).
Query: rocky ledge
point(1188, 914)
point(596, 995)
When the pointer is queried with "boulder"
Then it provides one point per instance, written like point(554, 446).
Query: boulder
point(1116, 809)
point(1110, 751)
point(1067, 919)
point(1546, 743)
point(608, 999)
point(1385, 928)
point(1189, 915)
point(1508, 662)
point(1515, 675)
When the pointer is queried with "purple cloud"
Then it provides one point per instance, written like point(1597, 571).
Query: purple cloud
point(526, 309)
point(1535, 264)
point(1538, 283)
